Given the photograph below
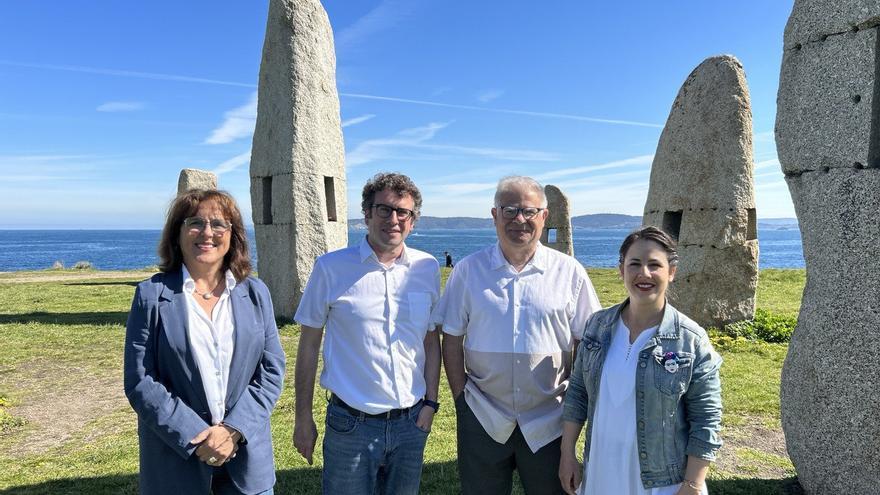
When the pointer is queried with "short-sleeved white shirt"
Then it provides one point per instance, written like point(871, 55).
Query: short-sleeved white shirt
point(376, 319)
point(519, 330)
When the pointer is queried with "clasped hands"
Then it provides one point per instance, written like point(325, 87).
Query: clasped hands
point(217, 444)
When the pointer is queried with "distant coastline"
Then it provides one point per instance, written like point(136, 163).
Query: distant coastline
point(592, 221)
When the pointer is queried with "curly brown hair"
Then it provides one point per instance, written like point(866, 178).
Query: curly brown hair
point(185, 205)
point(651, 233)
point(399, 183)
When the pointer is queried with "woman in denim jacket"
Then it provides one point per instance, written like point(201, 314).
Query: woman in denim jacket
point(646, 377)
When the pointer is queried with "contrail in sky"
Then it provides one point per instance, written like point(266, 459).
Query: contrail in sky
point(172, 77)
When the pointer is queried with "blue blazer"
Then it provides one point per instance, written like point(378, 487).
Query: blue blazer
point(165, 388)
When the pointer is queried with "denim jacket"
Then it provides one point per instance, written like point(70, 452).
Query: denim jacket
point(678, 413)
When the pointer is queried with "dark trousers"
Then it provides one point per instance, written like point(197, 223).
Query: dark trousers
point(486, 466)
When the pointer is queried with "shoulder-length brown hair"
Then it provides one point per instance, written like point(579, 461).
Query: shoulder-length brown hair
point(185, 205)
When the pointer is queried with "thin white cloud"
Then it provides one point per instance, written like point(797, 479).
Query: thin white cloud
point(120, 106)
point(233, 163)
point(384, 16)
point(357, 120)
point(626, 162)
point(528, 113)
point(126, 73)
point(415, 139)
point(238, 123)
point(773, 162)
point(489, 95)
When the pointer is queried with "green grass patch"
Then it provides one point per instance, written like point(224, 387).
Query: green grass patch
point(77, 326)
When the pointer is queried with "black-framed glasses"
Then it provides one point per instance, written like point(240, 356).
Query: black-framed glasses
point(197, 225)
point(528, 212)
point(384, 211)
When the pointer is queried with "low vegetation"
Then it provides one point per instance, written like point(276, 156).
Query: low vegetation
point(65, 426)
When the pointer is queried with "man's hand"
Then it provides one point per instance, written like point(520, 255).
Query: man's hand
point(217, 444)
point(570, 473)
point(305, 435)
point(426, 418)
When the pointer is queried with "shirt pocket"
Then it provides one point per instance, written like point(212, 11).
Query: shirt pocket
point(674, 380)
point(419, 306)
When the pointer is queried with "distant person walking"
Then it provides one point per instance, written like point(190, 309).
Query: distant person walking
point(646, 378)
point(203, 364)
point(448, 259)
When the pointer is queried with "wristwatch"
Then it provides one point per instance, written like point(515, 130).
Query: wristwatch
point(432, 404)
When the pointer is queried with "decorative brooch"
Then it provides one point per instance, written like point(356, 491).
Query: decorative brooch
point(670, 362)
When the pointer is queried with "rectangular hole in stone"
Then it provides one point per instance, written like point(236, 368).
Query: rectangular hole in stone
point(672, 223)
point(752, 230)
point(267, 200)
point(330, 197)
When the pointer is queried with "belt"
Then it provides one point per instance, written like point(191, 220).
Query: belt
point(392, 414)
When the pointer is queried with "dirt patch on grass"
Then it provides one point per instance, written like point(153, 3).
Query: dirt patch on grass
point(14, 278)
point(753, 449)
point(57, 402)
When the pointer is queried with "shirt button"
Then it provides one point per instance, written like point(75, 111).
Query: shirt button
point(643, 455)
point(642, 425)
point(642, 364)
point(649, 483)
point(517, 361)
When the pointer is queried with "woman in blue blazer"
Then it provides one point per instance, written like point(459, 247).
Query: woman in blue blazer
point(203, 362)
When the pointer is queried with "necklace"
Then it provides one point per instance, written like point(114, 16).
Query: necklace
point(207, 295)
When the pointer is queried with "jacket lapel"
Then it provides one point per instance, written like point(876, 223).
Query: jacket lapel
point(245, 340)
point(172, 311)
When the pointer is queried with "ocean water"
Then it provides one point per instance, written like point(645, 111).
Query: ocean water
point(132, 249)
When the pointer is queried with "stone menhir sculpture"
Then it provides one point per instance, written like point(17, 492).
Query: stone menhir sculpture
point(702, 193)
point(297, 160)
point(193, 178)
point(557, 228)
point(828, 141)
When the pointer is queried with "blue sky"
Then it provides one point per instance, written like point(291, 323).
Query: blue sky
point(103, 102)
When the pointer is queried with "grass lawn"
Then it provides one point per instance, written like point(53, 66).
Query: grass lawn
point(65, 426)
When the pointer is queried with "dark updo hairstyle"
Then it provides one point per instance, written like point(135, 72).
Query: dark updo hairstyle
point(654, 234)
point(400, 184)
point(185, 205)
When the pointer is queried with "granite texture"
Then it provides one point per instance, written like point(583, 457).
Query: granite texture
point(297, 149)
point(559, 218)
point(192, 178)
point(702, 192)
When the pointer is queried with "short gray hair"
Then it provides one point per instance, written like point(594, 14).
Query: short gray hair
point(511, 182)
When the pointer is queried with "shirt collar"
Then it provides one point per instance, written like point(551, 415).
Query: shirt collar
point(366, 252)
point(189, 285)
point(538, 261)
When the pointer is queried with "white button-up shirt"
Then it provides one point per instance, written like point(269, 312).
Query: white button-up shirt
point(376, 320)
point(520, 330)
point(211, 339)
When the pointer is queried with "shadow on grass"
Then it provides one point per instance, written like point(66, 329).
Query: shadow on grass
point(117, 282)
point(88, 318)
point(437, 479)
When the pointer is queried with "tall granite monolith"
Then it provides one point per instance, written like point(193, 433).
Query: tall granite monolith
point(297, 161)
point(828, 142)
point(702, 193)
point(193, 178)
point(557, 227)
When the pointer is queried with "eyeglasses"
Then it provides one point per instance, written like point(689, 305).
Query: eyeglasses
point(511, 212)
point(384, 211)
point(197, 225)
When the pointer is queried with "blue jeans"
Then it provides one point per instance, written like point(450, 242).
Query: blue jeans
point(372, 455)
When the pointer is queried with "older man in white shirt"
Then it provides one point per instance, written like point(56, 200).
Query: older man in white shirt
point(521, 307)
point(381, 355)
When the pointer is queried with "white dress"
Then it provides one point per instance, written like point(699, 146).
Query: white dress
point(614, 463)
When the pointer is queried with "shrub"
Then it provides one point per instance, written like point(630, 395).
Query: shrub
point(82, 265)
point(766, 326)
point(58, 265)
